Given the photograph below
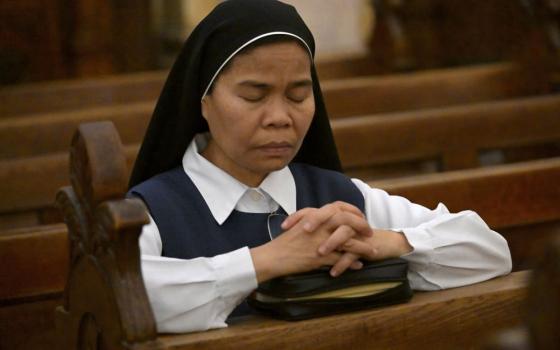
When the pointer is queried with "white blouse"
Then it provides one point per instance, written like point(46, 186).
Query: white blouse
point(449, 249)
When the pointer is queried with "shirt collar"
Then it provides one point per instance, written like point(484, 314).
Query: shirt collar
point(222, 192)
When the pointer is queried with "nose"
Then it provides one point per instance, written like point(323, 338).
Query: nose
point(277, 114)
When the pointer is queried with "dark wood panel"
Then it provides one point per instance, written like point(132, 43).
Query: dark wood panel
point(29, 326)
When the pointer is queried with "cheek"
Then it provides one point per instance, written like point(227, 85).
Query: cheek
point(307, 111)
point(228, 125)
point(217, 114)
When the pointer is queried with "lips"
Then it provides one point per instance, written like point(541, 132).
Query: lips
point(276, 148)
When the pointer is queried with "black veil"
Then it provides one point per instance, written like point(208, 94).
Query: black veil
point(177, 116)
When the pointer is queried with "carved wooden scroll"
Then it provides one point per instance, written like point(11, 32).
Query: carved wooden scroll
point(105, 301)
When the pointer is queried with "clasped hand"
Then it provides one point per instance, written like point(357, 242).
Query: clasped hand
point(336, 235)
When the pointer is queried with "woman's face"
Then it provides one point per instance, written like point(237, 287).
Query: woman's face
point(259, 111)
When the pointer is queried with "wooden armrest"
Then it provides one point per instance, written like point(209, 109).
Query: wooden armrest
point(454, 318)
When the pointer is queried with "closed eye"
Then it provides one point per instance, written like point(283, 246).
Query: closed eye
point(300, 93)
point(296, 99)
point(252, 99)
point(252, 91)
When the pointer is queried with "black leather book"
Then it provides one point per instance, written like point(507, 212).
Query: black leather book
point(316, 293)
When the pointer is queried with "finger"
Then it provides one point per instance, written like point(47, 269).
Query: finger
point(363, 249)
point(356, 265)
point(296, 217)
point(336, 239)
point(343, 264)
point(320, 216)
point(357, 223)
point(331, 259)
point(344, 206)
point(314, 219)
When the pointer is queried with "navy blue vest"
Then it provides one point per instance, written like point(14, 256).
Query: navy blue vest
point(188, 229)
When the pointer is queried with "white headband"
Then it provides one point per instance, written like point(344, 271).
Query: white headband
point(245, 45)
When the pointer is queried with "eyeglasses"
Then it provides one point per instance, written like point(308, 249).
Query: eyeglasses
point(274, 223)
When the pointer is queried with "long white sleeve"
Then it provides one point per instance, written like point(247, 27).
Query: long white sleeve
point(195, 294)
point(449, 249)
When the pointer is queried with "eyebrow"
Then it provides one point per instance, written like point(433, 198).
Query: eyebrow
point(260, 85)
point(254, 84)
point(301, 83)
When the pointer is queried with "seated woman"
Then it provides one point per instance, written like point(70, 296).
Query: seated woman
point(239, 138)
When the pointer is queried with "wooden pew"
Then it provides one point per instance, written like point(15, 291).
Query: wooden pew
point(66, 95)
point(37, 135)
point(541, 310)
point(455, 136)
point(31, 184)
point(50, 132)
point(106, 304)
point(411, 90)
point(30, 135)
point(428, 89)
point(370, 147)
point(32, 277)
point(526, 191)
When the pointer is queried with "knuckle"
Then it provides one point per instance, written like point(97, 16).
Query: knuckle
point(349, 259)
point(309, 210)
point(340, 218)
point(328, 207)
point(350, 232)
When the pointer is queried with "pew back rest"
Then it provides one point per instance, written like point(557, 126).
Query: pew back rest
point(455, 135)
point(485, 125)
point(428, 89)
point(34, 263)
point(344, 96)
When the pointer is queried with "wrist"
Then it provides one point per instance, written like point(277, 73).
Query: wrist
point(263, 262)
point(389, 244)
point(402, 245)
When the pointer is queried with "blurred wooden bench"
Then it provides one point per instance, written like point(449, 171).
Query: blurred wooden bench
point(50, 131)
point(428, 89)
point(421, 89)
point(33, 274)
point(66, 95)
point(370, 147)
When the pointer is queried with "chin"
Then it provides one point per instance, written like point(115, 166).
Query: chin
point(271, 165)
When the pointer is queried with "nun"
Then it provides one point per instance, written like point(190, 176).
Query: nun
point(241, 177)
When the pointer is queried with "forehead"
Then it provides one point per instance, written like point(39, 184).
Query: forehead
point(288, 57)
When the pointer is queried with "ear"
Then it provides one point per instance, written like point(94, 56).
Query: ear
point(204, 107)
